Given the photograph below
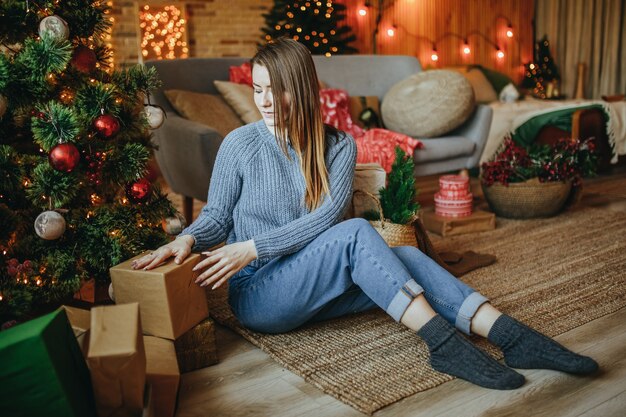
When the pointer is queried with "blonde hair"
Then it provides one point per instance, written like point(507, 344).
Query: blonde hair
point(292, 76)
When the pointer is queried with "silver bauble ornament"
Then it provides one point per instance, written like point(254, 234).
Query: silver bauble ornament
point(54, 27)
point(111, 292)
point(174, 225)
point(3, 105)
point(155, 116)
point(50, 225)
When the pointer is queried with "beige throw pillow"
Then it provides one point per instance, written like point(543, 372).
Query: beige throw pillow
point(428, 104)
point(240, 98)
point(483, 90)
point(208, 109)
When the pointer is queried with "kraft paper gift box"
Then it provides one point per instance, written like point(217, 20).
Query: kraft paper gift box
point(196, 349)
point(170, 301)
point(162, 375)
point(42, 371)
point(148, 404)
point(80, 320)
point(117, 360)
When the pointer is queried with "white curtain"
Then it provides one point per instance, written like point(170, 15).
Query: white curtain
point(586, 31)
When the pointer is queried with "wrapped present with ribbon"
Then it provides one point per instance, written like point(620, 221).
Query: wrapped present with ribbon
point(42, 370)
point(170, 301)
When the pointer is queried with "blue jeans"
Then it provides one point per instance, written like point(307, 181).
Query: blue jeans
point(347, 269)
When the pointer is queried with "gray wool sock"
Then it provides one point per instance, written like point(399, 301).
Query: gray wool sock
point(526, 348)
point(452, 354)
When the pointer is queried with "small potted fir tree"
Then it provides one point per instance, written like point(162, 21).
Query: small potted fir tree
point(397, 208)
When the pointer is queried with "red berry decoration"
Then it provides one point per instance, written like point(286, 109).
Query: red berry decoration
point(8, 324)
point(106, 125)
point(94, 163)
point(84, 59)
point(138, 191)
point(64, 157)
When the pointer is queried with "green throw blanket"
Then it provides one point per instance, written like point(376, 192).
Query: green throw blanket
point(525, 134)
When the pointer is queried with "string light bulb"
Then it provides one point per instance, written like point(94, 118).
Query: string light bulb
point(434, 56)
point(392, 31)
point(509, 31)
point(499, 53)
point(362, 11)
point(466, 47)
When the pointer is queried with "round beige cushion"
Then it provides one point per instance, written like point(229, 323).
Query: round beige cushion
point(428, 104)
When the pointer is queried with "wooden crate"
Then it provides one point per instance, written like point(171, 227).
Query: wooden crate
point(450, 226)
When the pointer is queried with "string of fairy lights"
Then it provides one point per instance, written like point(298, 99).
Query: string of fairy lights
point(162, 32)
point(465, 49)
point(320, 37)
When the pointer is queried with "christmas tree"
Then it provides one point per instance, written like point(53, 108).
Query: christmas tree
point(398, 197)
point(74, 152)
point(312, 23)
point(542, 76)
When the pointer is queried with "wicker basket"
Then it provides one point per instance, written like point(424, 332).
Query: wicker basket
point(393, 233)
point(526, 200)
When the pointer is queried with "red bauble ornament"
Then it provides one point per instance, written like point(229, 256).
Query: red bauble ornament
point(106, 125)
point(64, 157)
point(84, 59)
point(139, 190)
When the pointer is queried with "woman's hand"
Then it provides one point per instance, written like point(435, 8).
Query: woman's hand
point(226, 262)
point(179, 247)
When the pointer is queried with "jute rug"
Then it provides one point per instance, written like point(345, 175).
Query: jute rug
point(553, 274)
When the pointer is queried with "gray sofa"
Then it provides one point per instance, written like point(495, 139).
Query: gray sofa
point(187, 149)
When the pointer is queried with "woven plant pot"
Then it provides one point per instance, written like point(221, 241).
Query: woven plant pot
point(527, 200)
point(393, 233)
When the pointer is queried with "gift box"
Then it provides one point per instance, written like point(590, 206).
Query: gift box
point(170, 301)
point(117, 360)
point(196, 348)
point(80, 320)
point(42, 371)
point(162, 375)
point(454, 198)
point(148, 406)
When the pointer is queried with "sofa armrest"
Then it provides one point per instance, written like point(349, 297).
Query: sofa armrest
point(476, 129)
point(186, 154)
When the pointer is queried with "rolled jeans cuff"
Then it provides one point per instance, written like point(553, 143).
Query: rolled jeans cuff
point(403, 298)
point(467, 311)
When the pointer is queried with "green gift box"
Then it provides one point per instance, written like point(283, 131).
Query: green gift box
point(42, 370)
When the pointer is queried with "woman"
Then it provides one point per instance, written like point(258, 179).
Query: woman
point(279, 189)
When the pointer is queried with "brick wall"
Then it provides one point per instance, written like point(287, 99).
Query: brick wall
point(214, 27)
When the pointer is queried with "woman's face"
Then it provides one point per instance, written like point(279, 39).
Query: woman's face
point(263, 97)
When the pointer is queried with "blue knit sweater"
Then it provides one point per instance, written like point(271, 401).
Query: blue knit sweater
point(257, 193)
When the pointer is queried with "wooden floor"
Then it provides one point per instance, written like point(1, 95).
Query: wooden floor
point(247, 382)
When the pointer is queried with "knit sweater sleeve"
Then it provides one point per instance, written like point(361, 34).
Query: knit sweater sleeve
point(215, 221)
point(296, 234)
